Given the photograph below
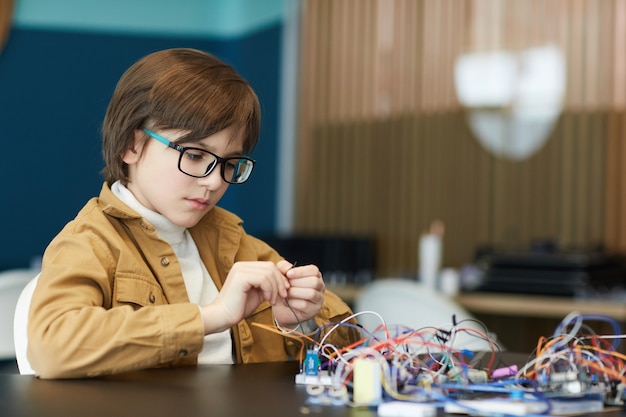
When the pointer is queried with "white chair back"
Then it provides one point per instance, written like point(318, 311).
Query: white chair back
point(20, 324)
point(407, 303)
point(12, 282)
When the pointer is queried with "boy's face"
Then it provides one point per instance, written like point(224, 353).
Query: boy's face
point(157, 183)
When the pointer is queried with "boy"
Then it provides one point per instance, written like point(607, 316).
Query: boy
point(151, 273)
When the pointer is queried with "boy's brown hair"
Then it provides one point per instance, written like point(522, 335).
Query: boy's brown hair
point(179, 88)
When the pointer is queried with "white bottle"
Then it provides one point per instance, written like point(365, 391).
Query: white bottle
point(430, 249)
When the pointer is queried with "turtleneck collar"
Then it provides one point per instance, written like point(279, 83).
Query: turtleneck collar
point(166, 230)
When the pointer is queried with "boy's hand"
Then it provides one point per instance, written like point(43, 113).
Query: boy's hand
point(248, 284)
point(305, 294)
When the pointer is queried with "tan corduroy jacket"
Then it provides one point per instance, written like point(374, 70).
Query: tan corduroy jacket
point(111, 297)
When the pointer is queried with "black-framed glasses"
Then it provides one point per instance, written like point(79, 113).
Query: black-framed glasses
point(199, 163)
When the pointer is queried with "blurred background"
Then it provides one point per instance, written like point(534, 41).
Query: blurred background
point(58, 67)
point(502, 119)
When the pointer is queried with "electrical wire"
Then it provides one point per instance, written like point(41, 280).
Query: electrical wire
point(425, 365)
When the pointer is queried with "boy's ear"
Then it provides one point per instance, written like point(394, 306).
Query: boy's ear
point(133, 152)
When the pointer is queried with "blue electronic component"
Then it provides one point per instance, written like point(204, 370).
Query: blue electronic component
point(312, 363)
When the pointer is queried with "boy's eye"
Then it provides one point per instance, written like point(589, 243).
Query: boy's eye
point(195, 155)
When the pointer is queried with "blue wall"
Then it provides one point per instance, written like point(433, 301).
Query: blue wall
point(55, 83)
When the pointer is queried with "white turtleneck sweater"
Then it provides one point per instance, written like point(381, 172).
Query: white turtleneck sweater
point(200, 287)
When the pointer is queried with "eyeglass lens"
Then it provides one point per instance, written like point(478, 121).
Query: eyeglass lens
point(199, 163)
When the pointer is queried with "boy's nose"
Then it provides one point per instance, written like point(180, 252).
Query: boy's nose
point(214, 180)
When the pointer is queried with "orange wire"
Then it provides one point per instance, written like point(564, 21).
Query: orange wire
point(292, 335)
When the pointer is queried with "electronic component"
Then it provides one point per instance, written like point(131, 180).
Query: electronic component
point(311, 362)
point(406, 409)
point(311, 374)
point(506, 372)
point(560, 406)
point(322, 378)
point(475, 376)
point(366, 381)
point(496, 405)
point(327, 395)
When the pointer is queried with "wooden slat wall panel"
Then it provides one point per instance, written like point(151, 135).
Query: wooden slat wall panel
point(615, 227)
point(385, 149)
point(6, 18)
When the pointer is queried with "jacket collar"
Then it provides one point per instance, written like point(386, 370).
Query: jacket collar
point(219, 229)
point(113, 206)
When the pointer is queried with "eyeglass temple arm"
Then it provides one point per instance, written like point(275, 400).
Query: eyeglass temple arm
point(163, 140)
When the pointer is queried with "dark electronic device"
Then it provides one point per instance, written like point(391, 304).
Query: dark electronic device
point(560, 273)
point(342, 259)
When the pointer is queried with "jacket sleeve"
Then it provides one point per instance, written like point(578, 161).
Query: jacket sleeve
point(81, 324)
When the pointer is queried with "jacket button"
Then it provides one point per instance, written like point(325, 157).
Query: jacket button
point(182, 352)
point(165, 261)
point(152, 298)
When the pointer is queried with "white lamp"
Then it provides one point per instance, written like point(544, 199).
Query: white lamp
point(513, 99)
